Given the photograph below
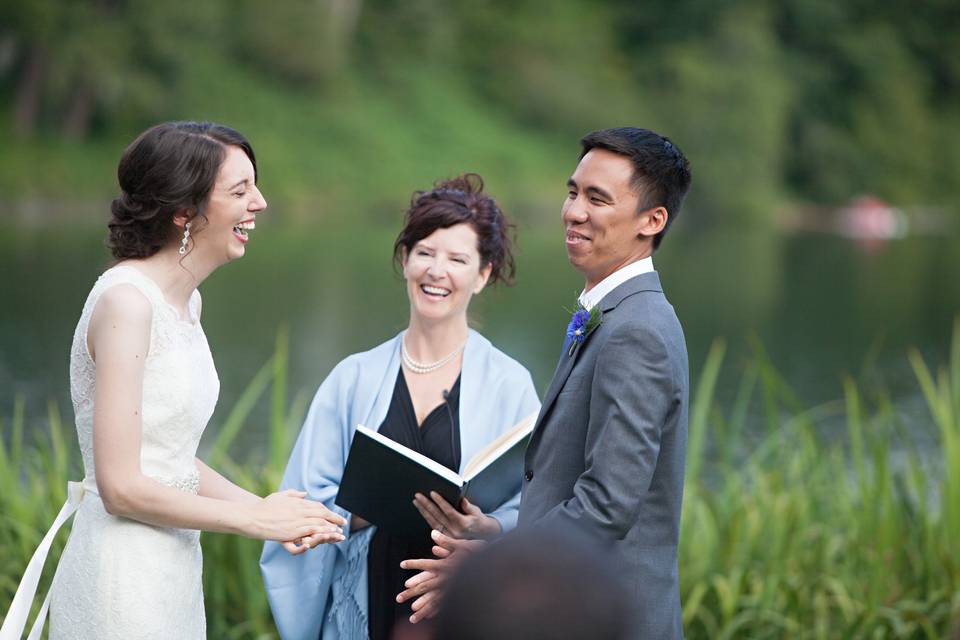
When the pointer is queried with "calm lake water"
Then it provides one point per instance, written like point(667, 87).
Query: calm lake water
point(821, 306)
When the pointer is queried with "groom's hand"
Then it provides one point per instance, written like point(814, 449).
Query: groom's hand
point(427, 585)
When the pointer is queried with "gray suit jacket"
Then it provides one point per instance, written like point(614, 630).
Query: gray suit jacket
point(607, 455)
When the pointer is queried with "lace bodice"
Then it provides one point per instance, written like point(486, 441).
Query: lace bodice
point(180, 384)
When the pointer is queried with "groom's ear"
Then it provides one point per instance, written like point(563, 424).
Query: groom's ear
point(651, 222)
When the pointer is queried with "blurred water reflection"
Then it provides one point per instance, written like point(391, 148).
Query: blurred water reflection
point(820, 306)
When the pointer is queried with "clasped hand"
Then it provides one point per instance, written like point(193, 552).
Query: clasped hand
point(426, 588)
point(299, 523)
point(456, 535)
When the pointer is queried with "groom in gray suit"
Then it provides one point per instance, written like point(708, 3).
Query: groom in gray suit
point(607, 455)
point(606, 458)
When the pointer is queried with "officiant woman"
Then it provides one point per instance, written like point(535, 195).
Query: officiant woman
point(438, 387)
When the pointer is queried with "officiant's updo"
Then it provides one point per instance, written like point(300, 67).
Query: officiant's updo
point(169, 168)
point(461, 201)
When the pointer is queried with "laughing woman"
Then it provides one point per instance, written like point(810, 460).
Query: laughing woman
point(454, 242)
point(144, 385)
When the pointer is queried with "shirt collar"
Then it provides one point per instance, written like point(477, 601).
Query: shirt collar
point(589, 299)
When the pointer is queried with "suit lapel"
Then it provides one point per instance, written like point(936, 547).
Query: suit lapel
point(564, 367)
point(645, 282)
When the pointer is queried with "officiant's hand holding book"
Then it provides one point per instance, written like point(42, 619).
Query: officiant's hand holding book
point(465, 522)
point(382, 478)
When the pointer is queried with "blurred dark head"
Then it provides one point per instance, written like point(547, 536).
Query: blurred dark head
point(169, 169)
point(534, 585)
point(461, 201)
point(661, 173)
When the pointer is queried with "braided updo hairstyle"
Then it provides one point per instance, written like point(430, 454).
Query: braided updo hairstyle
point(461, 201)
point(170, 168)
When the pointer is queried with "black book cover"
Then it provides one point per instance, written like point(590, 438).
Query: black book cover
point(379, 483)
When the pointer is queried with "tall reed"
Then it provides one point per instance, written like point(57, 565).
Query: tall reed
point(808, 535)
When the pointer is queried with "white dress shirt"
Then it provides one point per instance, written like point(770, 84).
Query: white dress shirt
point(589, 299)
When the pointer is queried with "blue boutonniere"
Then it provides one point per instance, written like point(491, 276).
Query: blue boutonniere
point(582, 324)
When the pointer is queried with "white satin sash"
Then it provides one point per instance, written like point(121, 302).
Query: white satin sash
point(16, 619)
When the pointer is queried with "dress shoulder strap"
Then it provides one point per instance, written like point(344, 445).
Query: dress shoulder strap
point(126, 275)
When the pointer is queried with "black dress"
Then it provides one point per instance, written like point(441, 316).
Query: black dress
point(438, 438)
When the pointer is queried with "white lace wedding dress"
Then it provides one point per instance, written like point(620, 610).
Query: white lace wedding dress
point(119, 578)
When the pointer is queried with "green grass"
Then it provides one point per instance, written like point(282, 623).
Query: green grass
point(829, 523)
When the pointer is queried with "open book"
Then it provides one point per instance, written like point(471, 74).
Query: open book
point(382, 476)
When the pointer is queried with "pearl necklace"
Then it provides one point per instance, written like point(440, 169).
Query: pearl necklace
point(421, 367)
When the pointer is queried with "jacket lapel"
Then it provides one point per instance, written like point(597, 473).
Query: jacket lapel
point(645, 282)
point(564, 367)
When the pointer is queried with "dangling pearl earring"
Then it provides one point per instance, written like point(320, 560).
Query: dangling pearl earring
point(186, 238)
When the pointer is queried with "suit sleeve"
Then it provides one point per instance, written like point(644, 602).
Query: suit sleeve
point(631, 397)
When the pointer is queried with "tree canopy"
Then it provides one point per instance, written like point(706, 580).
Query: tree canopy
point(803, 100)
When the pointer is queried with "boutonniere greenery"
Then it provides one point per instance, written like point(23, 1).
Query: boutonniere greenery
point(582, 325)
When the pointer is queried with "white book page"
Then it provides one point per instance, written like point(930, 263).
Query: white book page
point(500, 446)
point(419, 458)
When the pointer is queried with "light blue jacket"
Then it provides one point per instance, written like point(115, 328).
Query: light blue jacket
point(324, 591)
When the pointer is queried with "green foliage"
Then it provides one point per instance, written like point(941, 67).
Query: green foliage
point(301, 41)
point(807, 100)
point(830, 524)
point(812, 535)
point(78, 64)
point(737, 120)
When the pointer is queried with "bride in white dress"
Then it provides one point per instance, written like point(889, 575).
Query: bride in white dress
point(144, 385)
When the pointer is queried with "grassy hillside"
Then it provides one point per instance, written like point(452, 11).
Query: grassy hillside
point(357, 152)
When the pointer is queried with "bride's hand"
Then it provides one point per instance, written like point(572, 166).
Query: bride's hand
point(286, 515)
point(296, 547)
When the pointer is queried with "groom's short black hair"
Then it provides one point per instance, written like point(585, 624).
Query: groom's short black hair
point(661, 173)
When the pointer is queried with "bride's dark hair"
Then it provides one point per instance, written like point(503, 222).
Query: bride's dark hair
point(169, 168)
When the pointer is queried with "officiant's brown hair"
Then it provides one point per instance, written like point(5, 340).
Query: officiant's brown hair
point(461, 201)
point(169, 168)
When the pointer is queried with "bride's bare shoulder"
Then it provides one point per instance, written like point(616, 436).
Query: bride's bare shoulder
point(123, 301)
point(122, 313)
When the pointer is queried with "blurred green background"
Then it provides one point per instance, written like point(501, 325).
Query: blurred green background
point(788, 111)
point(820, 238)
